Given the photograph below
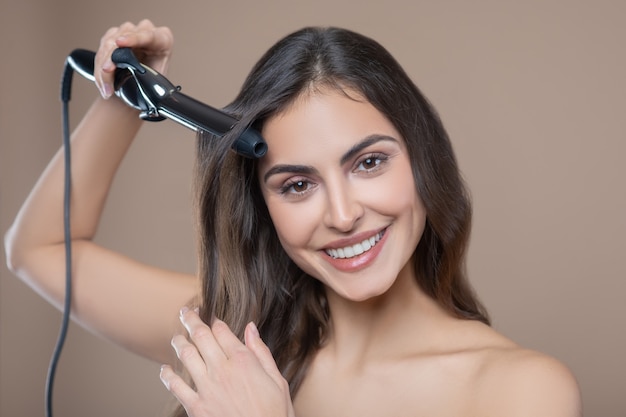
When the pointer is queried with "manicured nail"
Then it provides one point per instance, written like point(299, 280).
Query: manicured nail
point(163, 380)
point(107, 91)
point(254, 329)
point(183, 310)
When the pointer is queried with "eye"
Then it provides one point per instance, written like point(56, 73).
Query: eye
point(296, 187)
point(371, 163)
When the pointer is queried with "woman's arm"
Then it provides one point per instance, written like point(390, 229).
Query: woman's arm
point(130, 303)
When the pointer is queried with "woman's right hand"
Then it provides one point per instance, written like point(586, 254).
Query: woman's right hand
point(151, 44)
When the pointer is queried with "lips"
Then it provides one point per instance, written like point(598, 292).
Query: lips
point(351, 251)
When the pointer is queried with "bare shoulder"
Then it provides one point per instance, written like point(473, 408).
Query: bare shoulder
point(519, 382)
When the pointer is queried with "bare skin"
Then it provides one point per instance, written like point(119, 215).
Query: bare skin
point(392, 350)
point(433, 365)
point(102, 278)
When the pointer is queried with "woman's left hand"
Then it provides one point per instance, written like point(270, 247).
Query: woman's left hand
point(231, 378)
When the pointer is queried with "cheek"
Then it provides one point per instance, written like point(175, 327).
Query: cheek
point(294, 223)
point(398, 198)
point(396, 195)
point(400, 191)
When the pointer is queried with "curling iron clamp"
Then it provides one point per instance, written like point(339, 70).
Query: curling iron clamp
point(144, 89)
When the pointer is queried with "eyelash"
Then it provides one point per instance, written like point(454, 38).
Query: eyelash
point(287, 188)
point(381, 158)
point(378, 158)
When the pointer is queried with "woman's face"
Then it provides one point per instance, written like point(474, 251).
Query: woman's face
point(338, 184)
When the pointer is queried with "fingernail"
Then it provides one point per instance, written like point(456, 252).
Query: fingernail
point(163, 380)
point(254, 329)
point(107, 91)
point(183, 310)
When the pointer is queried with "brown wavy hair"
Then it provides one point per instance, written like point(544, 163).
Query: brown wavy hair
point(246, 274)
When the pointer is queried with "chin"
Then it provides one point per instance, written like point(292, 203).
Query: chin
point(361, 295)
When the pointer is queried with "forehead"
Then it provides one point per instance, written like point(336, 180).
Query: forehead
point(324, 121)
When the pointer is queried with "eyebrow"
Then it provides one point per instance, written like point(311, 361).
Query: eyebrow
point(368, 141)
point(308, 170)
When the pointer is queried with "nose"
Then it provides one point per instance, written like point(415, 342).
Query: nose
point(343, 208)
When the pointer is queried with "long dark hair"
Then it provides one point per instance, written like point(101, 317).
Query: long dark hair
point(246, 274)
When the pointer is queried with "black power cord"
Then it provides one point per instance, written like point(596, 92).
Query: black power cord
point(66, 86)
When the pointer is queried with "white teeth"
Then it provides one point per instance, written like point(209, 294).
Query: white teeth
point(354, 250)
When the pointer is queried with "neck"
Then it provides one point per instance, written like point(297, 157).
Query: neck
point(383, 327)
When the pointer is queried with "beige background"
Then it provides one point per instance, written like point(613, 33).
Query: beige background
point(532, 93)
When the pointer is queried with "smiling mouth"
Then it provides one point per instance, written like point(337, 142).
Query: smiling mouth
point(355, 250)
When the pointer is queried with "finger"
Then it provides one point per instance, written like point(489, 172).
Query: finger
point(177, 386)
point(145, 34)
point(263, 354)
point(191, 359)
point(152, 45)
point(202, 336)
point(103, 66)
point(228, 341)
point(135, 36)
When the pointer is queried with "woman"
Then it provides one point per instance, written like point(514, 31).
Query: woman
point(331, 270)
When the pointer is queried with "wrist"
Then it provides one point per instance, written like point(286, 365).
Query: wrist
point(117, 110)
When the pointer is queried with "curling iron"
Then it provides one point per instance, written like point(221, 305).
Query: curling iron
point(144, 89)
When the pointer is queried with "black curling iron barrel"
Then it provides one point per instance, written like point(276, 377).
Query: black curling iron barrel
point(157, 98)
